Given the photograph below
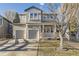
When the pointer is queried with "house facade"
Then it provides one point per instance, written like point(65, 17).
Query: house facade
point(34, 24)
point(5, 28)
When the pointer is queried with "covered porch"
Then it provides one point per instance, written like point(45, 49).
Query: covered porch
point(48, 31)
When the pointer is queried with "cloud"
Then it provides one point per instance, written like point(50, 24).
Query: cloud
point(41, 3)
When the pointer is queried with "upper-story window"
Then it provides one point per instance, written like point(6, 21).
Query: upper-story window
point(48, 16)
point(35, 14)
point(0, 21)
point(31, 15)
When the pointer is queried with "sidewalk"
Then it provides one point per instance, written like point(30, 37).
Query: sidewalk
point(18, 53)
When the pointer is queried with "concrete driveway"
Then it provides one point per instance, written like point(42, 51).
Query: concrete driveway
point(9, 48)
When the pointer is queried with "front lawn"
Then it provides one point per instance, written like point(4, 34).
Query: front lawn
point(44, 49)
point(49, 43)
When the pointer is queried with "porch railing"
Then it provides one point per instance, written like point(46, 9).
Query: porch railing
point(47, 35)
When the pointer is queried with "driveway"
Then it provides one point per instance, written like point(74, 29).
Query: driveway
point(10, 48)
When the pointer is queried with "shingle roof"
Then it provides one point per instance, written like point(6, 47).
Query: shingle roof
point(5, 19)
point(32, 7)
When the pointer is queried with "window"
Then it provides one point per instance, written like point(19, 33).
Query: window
point(0, 21)
point(35, 14)
point(50, 16)
point(31, 15)
point(48, 29)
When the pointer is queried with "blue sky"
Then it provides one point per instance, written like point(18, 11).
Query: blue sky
point(20, 7)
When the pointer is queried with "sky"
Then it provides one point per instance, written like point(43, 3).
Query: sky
point(20, 7)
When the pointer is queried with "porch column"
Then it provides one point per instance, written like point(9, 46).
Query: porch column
point(54, 33)
point(43, 29)
point(29, 16)
point(55, 28)
point(26, 31)
point(14, 33)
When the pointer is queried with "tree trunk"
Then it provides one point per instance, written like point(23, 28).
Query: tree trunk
point(61, 40)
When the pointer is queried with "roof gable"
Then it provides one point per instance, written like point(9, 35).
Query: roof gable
point(5, 19)
point(32, 7)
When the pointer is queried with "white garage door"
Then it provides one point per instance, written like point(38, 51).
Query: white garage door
point(33, 34)
point(19, 34)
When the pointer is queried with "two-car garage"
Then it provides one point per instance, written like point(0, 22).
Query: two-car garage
point(31, 34)
point(21, 32)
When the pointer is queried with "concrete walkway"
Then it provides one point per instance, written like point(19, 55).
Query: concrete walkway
point(18, 53)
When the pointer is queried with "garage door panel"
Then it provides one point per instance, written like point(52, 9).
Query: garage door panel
point(19, 34)
point(33, 34)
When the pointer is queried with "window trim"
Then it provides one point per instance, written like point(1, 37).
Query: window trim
point(35, 14)
point(33, 18)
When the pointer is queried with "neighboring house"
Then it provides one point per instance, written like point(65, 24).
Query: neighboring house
point(34, 24)
point(74, 27)
point(5, 28)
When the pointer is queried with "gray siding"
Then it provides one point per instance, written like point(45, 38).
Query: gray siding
point(4, 29)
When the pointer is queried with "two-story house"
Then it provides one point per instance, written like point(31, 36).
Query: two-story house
point(34, 24)
point(5, 28)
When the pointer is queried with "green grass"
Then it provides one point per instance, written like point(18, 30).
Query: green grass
point(52, 51)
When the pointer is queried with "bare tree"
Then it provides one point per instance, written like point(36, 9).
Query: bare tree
point(10, 15)
point(67, 12)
